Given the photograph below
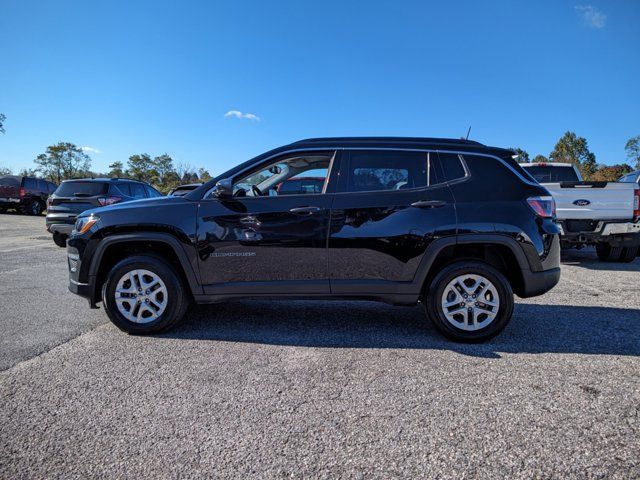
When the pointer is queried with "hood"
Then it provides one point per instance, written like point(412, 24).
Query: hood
point(158, 202)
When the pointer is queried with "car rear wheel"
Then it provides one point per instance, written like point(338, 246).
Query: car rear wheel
point(143, 294)
point(469, 302)
point(60, 240)
point(607, 253)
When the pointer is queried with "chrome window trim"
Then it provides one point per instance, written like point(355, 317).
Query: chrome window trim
point(427, 150)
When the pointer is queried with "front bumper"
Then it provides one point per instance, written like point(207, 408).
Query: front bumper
point(86, 290)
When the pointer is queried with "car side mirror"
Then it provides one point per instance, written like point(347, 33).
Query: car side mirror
point(223, 188)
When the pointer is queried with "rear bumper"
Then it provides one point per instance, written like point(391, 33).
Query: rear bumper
point(613, 232)
point(10, 202)
point(60, 223)
point(537, 283)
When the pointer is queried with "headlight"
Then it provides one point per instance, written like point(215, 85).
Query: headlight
point(83, 224)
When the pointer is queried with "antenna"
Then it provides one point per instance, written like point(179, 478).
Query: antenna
point(468, 132)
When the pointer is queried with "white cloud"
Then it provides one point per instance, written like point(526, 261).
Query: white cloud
point(90, 150)
point(591, 16)
point(239, 114)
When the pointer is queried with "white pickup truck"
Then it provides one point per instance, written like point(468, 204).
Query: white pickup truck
point(604, 214)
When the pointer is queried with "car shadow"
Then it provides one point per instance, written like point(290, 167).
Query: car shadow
point(533, 328)
point(587, 258)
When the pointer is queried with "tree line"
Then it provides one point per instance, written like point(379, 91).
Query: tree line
point(65, 160)
point(575, 150)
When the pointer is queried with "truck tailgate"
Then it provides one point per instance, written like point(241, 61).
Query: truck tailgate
point(593, 200)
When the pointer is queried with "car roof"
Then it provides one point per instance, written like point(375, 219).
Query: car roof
point(129, 180)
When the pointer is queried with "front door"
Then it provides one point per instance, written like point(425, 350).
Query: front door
point(271, 236)
point(390, 205)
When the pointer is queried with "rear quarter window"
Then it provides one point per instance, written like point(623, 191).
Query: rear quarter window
point(81, 189)
point(452, 166)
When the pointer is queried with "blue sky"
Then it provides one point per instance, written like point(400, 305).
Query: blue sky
point(153, 76)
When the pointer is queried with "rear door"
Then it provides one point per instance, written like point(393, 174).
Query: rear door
point(390, 206)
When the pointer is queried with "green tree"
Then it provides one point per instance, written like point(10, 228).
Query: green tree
point(633, 150)
point(611, 173)
point(163, 166)
point(3, 117)
point(522, 155)
point(5, 171)
point(140, 167)
point(62, 161)
point(573, 149)
point(116, 169)
point(540, 159)
point(204, 175)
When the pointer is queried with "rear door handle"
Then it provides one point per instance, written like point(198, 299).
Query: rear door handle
point(429, 204)
point(305, 210)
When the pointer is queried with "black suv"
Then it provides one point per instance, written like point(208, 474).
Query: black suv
point(75, 196)
point(26, 194)
point(453, 224)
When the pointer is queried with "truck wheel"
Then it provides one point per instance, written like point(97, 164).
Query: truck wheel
point(629, 254)
point(469, 302)
point(143, 294)
point(60, 240)
point(607, 253)
point(33, 208)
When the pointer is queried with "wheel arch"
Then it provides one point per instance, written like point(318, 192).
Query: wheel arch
point(499, 251)
point(114, 248)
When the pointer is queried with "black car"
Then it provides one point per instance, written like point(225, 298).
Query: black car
point(182, 190)
point(25, 194)
point(452, 224)
point(73, 197)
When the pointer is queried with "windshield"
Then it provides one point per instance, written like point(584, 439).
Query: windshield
point(552, 174)
point(81, 189)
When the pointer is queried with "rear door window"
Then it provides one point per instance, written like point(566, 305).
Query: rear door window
point(124, 189)
point(82, 189)
point(379, 170)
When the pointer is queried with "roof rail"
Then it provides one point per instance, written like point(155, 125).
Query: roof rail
point(444, 141)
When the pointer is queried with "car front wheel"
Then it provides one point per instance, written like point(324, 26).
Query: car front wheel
point(143, 294)
point(469, 301)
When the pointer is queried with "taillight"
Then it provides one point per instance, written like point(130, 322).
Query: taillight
point(636, 204)
point(22, 192)
point(104, 201)
point(544, 207)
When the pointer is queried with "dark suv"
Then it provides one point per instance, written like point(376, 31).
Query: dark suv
point(453, 224)
point(25, 194)
point(75, 196)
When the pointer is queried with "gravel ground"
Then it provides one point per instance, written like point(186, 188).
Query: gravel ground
point(313, 389)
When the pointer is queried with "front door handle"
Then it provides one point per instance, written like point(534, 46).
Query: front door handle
point(305, 210)
point(429, 204)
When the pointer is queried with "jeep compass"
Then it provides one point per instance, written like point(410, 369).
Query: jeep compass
point(451, 224)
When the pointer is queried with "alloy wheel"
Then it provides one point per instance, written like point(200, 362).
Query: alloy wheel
point(141, 296)
point(470, 302)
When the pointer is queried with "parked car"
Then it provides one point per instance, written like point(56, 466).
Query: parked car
point(452, 224)
point(182, 190)
point(633, 177)
point(73, 197)
point(604, 214)
point(25, 194)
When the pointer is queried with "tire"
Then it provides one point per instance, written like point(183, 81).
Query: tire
point(461, 328)
point(607, 253)
point(34, 208)
point(629, 254)
point(60, 240)
point(174, 295)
